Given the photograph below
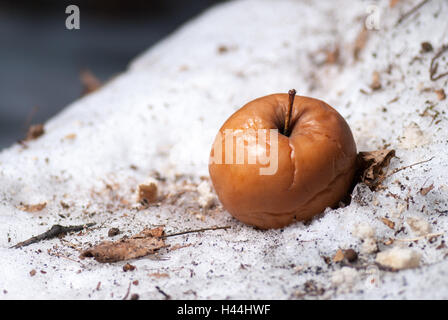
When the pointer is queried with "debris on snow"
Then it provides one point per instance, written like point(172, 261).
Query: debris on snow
point(148, 241)
point(147, 192)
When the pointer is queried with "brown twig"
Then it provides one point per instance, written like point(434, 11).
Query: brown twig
point(30, 117)
point(434, 65)
point(380, 180)
point(167, 296)
point(430, 235)
point(68, 258)
point(410, 12)
point(406, 167)
point(54, 232)
point(127, 292)
point(292, 94)
point(194, 231)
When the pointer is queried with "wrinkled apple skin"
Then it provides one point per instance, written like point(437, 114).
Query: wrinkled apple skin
point(316, 163)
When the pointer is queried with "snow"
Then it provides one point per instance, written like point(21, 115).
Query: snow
point(399, 258)
point(158, 120)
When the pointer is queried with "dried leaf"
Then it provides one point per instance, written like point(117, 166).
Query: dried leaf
point(371, 164)
point(339, 256)
point(146, 242)
point(425, 191)
point(388, 223)
point(33, 207)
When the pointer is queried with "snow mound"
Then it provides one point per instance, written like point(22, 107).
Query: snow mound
point(158, 120)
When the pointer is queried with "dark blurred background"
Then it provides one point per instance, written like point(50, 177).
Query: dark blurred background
point(41, 61)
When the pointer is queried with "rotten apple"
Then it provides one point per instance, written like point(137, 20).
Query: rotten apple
point(282, 158)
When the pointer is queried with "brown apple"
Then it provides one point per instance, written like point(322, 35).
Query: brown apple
point(315, 156)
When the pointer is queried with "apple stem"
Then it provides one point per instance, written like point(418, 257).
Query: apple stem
point(292, 94)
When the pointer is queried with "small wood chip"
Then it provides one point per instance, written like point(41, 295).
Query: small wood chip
point(350, 255)
point(70, 136)
point(33, 207)
point(113, 232)
point(128, 267)
point(147, 192)
point(223, 49)
point(64, 205)
point(425, 191)
point(440, 94)
point(376, 81)
point(33, 272)
point(159, 275)
point(426, 47)
point(388, 223)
